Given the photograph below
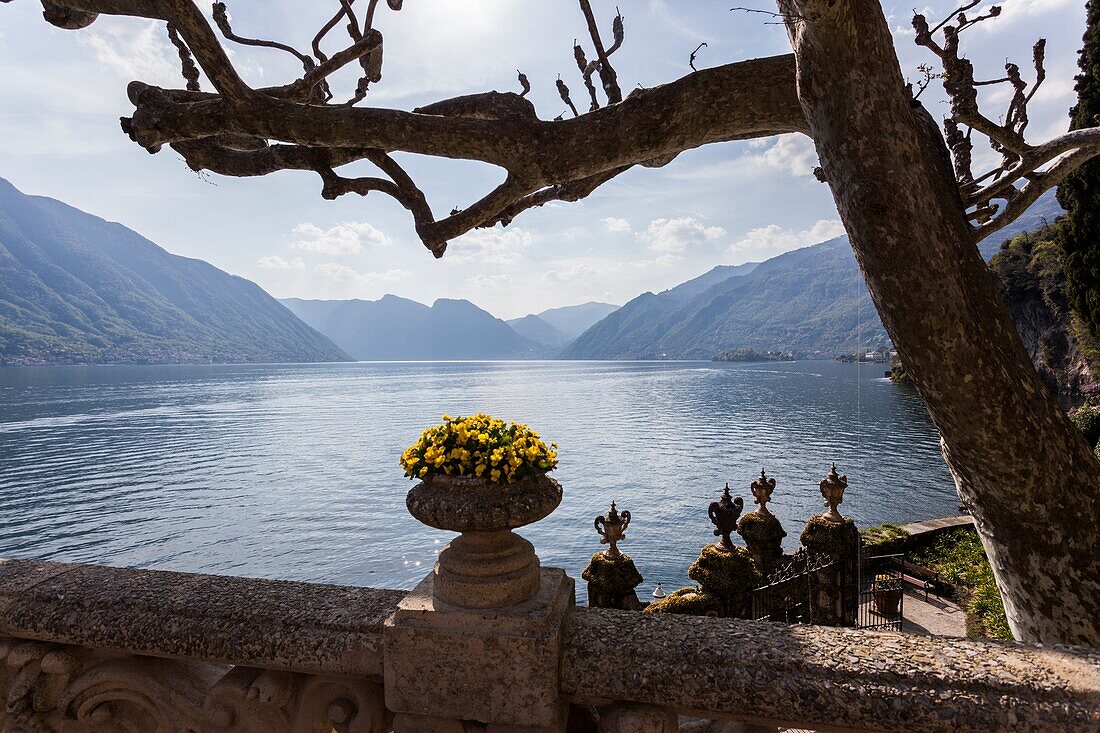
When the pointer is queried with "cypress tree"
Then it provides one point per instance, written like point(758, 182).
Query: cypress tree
point(1079, 193)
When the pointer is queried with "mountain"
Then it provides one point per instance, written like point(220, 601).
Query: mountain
point(573, 320)
point(809, 301)
point(688, 290)
point(394, 328)
point(77, 289)
point(366, 329)
point(535, 328)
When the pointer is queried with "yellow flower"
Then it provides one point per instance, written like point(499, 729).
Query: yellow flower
point(480, 445)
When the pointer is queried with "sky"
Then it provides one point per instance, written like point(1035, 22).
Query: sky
point(649, 229)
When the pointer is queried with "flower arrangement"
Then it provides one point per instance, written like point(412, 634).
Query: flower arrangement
point(479, 446)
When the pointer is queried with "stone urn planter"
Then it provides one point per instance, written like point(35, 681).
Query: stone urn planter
point(487, 565)
point(887, 597)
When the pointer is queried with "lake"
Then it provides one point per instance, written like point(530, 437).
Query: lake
point(290, 471)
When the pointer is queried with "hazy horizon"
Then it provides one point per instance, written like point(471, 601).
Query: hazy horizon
point(645, 231)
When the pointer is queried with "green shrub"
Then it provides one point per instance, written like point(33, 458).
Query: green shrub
point(885, 538)
point(1087, 420)
point(959, 558)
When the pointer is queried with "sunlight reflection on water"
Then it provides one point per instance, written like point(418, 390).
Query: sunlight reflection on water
point(290, 471)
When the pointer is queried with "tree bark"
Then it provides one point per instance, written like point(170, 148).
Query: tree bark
point(1026, 474)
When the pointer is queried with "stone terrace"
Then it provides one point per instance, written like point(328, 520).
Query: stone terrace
point(92, 648)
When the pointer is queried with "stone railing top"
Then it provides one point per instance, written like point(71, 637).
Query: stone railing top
point(799, 676)
point(939, 524)
point(273, 624)
point(827, 678)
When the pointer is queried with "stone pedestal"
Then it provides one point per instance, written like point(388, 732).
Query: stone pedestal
point(837, 600)
point(726, 580)
point(611, 582)
point(497, 666)
point(487, 570)
point(763, 534)
point(487, 565)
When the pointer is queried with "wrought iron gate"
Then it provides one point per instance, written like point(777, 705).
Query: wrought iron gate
point(874, 593)
point(881, 590)
point(789, 594)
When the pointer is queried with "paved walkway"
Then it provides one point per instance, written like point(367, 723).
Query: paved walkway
point(936, 616)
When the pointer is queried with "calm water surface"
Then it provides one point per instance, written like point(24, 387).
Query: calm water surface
point(290, 471)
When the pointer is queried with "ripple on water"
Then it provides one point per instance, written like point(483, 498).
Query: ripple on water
point(289, 471)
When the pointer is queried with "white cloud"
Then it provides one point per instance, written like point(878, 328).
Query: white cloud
point(794, 154)
point(1014, 10)
point(774, 239)
point(345, 238)
point(674, 235)
point(275, 262)
point(572, 273)
point(490, 246)
point(343, 274)
point(489, 281)
point(139, 51)
point(615, 224)
point(599, 271)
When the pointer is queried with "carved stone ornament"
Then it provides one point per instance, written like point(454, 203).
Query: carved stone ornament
point(832, 489)
point(762, 489)
point(54, 687)
point(612, 529)
point(723, 514)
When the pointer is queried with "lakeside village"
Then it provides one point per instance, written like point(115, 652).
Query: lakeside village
point(866, 356)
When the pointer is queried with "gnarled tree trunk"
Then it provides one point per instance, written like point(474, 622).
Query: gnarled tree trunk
point(1026, 474)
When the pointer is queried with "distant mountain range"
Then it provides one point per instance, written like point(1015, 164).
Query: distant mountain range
point(811, 301)
point(77, 289)
point(394, 328)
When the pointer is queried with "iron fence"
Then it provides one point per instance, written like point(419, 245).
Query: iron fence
point(790, 593)
point(881, 591)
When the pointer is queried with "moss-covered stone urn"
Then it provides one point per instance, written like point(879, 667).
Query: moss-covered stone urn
point(487, 565)
point(761, 530)
point(611, 574)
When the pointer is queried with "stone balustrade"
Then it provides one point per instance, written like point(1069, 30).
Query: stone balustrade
point(88, 648)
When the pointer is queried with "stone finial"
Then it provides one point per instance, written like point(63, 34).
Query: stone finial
point(762, 489)
point(832, 488)
point(612, 529)
point(723, 514)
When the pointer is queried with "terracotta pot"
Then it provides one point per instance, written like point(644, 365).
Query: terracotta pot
point(487, 565)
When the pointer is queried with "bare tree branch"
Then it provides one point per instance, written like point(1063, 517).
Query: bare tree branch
point(241, 131)
point(190, 71)
point(1020, 161)
point(608, 77)
point(691, 59)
